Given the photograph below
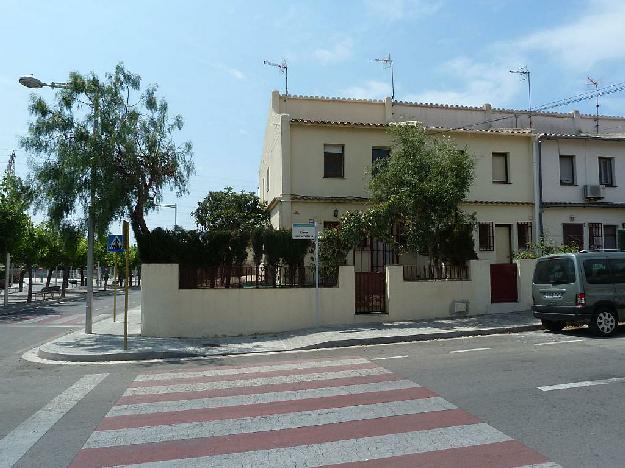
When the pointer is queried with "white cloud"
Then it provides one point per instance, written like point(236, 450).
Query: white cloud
point(482, 83)
point(396, 10)
point(234, 72)
point(370, 89)
point(597, 35)
point(341, 51)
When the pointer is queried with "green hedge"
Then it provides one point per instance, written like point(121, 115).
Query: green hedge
point(213, 248)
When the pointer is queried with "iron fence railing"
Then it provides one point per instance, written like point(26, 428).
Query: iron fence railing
point(433, 271)
point(250, 276)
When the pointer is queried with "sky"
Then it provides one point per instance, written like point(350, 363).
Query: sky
point(207, 59)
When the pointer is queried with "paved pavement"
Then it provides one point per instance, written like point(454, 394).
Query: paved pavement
point(106, 344)
point(304, 413)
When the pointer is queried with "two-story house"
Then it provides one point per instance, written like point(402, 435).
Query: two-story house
point(318, 151)
point(582, 189)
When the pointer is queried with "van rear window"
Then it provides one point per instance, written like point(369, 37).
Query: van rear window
point(555, 271)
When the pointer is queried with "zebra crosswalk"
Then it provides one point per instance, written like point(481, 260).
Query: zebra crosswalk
point(339, 412)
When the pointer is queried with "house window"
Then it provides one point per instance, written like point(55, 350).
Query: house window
point(595, 236)
point(567, 170)
point(609, 236)
point(331, 224)
point(333, 160)
point(378, 155)
point(606, 171)
point(500, 168)
point(524, 235)
point(486, 235)
point(573, 235)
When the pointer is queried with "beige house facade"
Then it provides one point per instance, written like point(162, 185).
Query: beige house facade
point(318, 153)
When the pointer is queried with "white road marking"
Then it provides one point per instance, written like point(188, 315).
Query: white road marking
point(258, 398)
point(390, 357)
point(468, 350)
point(23, 437)
point(255, 382)
point(584, 383)
point(557, 342)
point(250, 370)
point(272, 422)
point(352, 450)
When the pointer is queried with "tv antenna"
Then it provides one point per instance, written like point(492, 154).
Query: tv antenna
point(595, 83)
point(525, 74)
point(388, 63)
point(284, 68)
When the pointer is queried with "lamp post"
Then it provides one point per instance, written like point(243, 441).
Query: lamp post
point(35, 83)
point(175, 207)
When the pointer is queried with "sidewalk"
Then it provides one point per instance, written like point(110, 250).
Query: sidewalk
point(106, 344)
point(17, 300)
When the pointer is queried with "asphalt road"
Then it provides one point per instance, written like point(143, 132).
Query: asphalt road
point(524, 385)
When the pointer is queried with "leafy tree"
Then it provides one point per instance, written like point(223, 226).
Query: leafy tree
point(227, 210)
point(70, 239)
point(32, 251)
point(419, 189)
point(14, 198)
point(108, 140)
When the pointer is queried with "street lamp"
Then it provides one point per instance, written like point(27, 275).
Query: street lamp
point(31, 82)
point(175, 207)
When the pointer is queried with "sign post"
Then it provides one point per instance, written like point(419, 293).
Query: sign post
point(310, 231)
point(115, 243)
point(126, 286)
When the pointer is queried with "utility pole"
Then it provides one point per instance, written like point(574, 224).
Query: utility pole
point(526, 75)
point(388, 63)
point(284, 68)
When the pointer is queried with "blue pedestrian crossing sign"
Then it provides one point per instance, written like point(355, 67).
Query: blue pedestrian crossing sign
point(115, 243)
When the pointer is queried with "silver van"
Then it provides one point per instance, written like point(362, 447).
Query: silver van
point(584, 287)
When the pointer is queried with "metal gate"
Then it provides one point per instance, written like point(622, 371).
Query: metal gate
point(370, 258)
point(503, 283)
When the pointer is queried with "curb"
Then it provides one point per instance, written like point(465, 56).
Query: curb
point(149, 355)
point(124, 356)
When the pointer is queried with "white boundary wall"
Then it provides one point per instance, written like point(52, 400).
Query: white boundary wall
point(167, 311)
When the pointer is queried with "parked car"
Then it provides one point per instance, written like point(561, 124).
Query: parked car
point(584, 287)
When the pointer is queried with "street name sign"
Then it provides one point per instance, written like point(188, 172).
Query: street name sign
point(115, 243)
point(303, 231)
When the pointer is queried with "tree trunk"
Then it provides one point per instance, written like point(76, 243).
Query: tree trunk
point(139, 276)
point(29, 296)
point(137, 221)
point(82, 276)
point(22, 273)
point(49, 278)
point(64, 282)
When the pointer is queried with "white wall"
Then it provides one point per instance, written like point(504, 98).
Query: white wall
point(553, 218)
point(170, 312)
point(587, 154)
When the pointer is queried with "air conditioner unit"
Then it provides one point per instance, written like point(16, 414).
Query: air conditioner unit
point(593, 192)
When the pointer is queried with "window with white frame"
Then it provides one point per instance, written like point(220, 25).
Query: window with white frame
point(567, 169)
point(333, 161)
point(606, 171)
point(500, 168)
point(486, 236)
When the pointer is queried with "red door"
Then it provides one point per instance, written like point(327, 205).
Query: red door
point(503, 283)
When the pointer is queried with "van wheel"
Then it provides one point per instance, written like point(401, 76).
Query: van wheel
point(604, 322)
point(553, 326)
